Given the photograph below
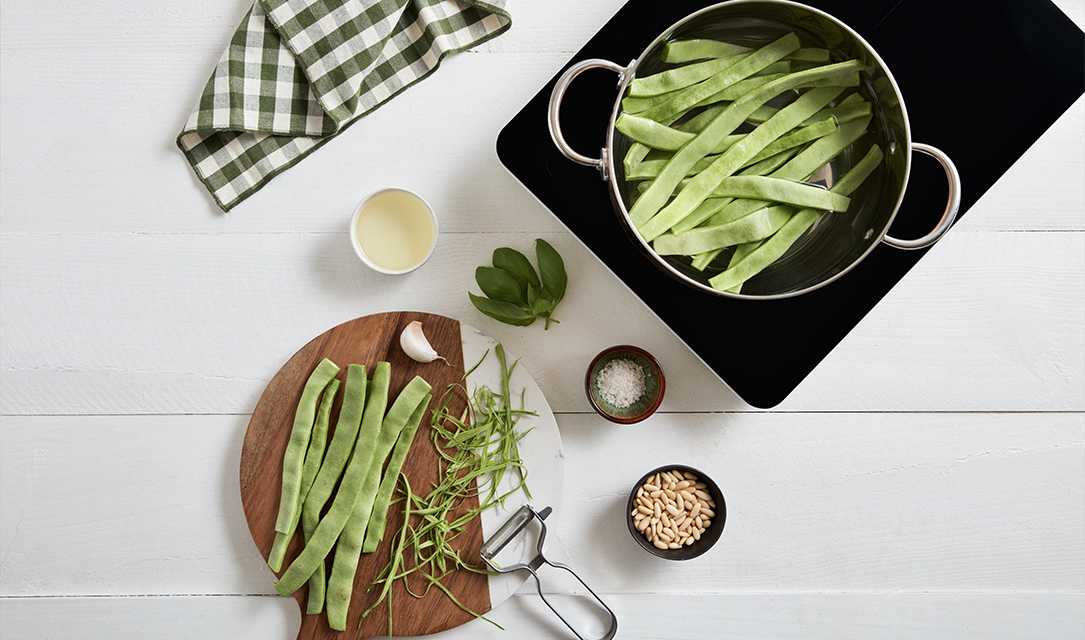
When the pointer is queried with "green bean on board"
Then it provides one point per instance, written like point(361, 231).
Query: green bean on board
point(314, 455)
point(339, 451)
point(331, 525)
point(474, 459)
point(374, 531)
point(294, 456)
point(348, 548)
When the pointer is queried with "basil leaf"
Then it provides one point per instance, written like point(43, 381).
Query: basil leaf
point(518, 265)
point(542, 307)
point(502, 311)
point(551, 270)
point(499, 284)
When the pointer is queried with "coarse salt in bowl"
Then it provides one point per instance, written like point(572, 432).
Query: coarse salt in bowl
point(625, 384)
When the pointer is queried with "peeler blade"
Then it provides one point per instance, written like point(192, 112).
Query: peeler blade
point(508, 531)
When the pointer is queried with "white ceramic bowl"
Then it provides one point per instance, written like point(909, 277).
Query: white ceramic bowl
point(400, 237)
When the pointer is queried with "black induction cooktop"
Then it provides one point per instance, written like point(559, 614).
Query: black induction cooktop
point(981, 79)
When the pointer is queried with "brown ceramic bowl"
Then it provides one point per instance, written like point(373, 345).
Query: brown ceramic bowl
point(655, 384)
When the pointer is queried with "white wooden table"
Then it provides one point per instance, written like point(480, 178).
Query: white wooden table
point(927, 480)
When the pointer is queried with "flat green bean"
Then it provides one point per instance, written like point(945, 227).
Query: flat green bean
point(773, 248)
point(749, 65)
point(681, 51)
point(294, 456)
point(653, 200)
point(651, 133)
point(339, 451)
point(854, 107)
point(637, 151)
point(680, 77)
point(651, 168)
point(756, 226)
point(659, 136)
point(800, 168)
point(313, 457)
point(331, 525)
point(798, 137)
point(349, 546)
point(634, 104)
point(374, 532)
point(731, 160)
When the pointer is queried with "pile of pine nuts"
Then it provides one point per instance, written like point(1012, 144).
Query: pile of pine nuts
point(673, 508)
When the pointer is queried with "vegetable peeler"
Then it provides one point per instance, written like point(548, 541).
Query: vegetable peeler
point(508, 532)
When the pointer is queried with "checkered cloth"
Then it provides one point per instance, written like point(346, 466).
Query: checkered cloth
point(298, 72)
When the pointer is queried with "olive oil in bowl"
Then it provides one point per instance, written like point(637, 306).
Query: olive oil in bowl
point(393, 231)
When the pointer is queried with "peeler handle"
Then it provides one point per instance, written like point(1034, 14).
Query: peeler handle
point(512, 528)
point(611, 631)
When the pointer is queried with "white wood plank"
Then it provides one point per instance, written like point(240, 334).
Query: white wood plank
point(1024, 616)
point(133, 323)
point(113, 165)
point(137, 505)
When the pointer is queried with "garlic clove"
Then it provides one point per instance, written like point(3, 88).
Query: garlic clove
point(414, 344)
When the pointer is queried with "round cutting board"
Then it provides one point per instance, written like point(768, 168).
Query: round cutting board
point(368, 340)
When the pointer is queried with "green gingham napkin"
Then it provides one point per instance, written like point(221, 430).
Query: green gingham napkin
point(298, 72)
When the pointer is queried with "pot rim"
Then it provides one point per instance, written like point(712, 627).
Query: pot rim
point(610, 172)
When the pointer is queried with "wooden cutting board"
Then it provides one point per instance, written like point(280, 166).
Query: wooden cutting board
point(365, 341)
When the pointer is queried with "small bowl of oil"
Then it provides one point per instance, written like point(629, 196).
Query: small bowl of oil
point(393, 231)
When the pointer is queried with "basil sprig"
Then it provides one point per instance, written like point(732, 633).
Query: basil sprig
point(515, 293)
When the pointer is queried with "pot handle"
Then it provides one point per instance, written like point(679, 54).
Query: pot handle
point(555, 107)
point(953, 203)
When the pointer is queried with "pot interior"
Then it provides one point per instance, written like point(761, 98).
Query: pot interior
point(837, 241)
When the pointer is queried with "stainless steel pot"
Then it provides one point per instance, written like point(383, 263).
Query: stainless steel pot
point(837, 242)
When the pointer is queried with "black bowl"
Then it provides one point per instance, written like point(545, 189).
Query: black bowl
point(708, 538)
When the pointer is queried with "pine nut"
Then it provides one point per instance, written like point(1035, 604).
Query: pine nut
point(672, 509)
